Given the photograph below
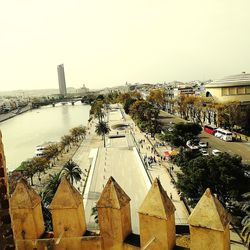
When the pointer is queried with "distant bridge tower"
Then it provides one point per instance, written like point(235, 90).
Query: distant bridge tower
point(61, 80)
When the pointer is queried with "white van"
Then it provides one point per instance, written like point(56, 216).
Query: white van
point(223, 134)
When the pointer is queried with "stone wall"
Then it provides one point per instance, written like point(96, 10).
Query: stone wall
point(6, 235)
point(208, 221)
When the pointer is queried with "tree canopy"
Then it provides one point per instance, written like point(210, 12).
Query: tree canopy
point(181, 133)
point(223, 174)
point(157, 97)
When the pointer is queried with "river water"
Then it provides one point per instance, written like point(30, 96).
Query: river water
point(24, 132)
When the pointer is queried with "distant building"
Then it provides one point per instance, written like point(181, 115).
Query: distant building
point(61, 80)
point(82, 90)
point(183, 91)
point(230, 89)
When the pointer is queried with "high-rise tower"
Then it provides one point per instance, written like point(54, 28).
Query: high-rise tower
point(61, 80)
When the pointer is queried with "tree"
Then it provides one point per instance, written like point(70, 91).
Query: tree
point(39, 164)
point(78, 133)
point(28, 169)
point(52, 151)
point(97, 110)
point(246, 220)
point(102, 129)
point(184, 157)
point(94, 212)
point(129, 95)
point(127, 103)
point(82, 131)
point(223, 174)
point(51, 188)
point(66, 141)
point(182, 132)
point(229, 114)
point(246, 119)
point(151, 115)
point(71, 171)
point(157, 97)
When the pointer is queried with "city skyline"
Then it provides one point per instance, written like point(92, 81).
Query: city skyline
point(106, 44)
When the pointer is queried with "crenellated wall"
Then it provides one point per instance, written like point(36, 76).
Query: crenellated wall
point(209, 221)
point(6, 234)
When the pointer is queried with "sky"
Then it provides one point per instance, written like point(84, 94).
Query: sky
point(104, 43)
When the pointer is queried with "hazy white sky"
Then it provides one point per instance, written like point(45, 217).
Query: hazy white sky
point(108, 42)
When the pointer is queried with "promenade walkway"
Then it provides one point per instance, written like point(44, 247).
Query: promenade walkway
point(121, 162)
point(158, 170)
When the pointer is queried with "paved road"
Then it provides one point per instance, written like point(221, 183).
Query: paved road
point(240, 148)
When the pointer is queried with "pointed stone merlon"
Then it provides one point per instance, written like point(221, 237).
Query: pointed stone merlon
point(157, 220)
point(26, 212)
point(114, 215)
point(209, 224)
point(67, 211)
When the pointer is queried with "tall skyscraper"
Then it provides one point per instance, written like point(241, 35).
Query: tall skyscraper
point(61, 80)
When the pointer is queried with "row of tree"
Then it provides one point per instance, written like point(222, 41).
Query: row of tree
point(203, 110)
point(145, 113)
point(199, 109)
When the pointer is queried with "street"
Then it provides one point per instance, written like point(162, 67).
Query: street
point(240, 148)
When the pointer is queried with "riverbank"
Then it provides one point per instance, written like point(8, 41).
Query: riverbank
point(41, 182)
point(24, 132)
point(79, 153)
point(13, 113)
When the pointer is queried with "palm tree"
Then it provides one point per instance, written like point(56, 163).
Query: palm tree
point(47, 197)
point(51, 188)
point(96, 110)
point(71, 171)
point(46, 212)
point(94, 212)
point(102, 129)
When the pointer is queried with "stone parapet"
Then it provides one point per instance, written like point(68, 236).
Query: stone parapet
point(156, 213)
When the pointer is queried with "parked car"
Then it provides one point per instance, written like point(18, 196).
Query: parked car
point(216, 152)
point(204, 152)
point(203, 144)
point(191, 145)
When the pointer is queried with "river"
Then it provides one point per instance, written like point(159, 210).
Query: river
point(24, 132)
